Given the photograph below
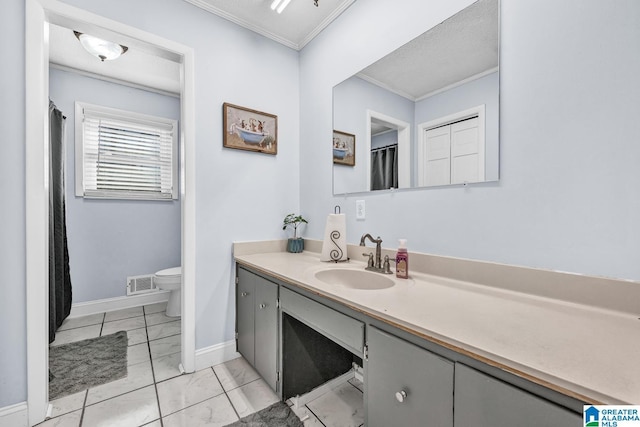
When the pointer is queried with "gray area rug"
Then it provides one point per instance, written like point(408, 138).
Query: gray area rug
point(276, 415)
point(79, 365)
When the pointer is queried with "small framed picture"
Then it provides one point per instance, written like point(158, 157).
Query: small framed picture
point(344, 148)
point(247, 129)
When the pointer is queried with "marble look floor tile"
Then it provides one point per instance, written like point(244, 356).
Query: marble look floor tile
point(138, 376)
point(214, 412)
point(155, 423)
point(67, 404)
point(164, 346)
point(163, 330)
point(158, 318)
point(137, 336)
point(357, 384)
point(155, 308)
point(123, 325)
point(252, 397)
point(342, 406)
point(307, 417)
point(235, 373)
point(77, 334)
point(138, 353)
point(132, 409)
point(123, 314)
point(165, 367)
point(78, 322)
point(187, 390)
point(67, 420)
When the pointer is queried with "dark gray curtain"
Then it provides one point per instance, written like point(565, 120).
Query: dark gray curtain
point(384, 168)
point(59, 278)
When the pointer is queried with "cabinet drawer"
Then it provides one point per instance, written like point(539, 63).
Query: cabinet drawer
point(342, 329)
point(406, 385)
point(484, 401)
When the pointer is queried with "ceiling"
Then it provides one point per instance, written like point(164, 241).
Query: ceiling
point(296, 26)
point(461, 41)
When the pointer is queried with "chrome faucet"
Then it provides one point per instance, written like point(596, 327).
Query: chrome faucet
point(376, 265)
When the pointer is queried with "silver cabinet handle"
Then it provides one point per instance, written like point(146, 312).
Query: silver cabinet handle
point(262, 306)
point(244, 294)
point(401, 396)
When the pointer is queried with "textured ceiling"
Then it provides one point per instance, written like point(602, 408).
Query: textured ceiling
point(463, 46)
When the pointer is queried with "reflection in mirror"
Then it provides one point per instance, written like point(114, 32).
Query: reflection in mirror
point(427, 113)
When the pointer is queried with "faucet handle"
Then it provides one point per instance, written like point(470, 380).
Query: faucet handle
point(387, 265)
point(370, 262)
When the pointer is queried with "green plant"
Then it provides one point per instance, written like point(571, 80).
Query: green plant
point(295, 221)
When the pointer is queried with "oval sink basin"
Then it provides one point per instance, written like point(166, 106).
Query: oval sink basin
point(355, 279)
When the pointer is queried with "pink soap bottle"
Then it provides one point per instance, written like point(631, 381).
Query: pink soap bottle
point(402, 260)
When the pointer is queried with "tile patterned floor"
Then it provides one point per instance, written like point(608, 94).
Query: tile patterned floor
point(155, 394)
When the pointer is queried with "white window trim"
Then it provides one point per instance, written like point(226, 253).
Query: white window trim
point(478, 112)
point(126, 116)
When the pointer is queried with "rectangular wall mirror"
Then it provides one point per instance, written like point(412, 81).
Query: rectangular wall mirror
point(427, 114)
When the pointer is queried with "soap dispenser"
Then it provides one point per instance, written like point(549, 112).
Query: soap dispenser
point(402, 260)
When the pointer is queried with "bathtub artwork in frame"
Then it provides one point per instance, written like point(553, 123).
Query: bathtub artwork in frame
point(247, 129)
point(344, 148)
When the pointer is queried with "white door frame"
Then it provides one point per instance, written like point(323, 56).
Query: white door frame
point(404, 147)
point(39, 13)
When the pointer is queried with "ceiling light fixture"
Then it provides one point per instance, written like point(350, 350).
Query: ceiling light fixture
point(100, 48)
point(284, 3)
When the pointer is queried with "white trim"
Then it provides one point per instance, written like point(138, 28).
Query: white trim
point(404, 147)
point(15, 415)
point(478, 111)
point(38, 15)
point(459, 83)
point(324, 24)
point(118, 303)
point(216, 354)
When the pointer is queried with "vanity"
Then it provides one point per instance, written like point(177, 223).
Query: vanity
point(436, 346)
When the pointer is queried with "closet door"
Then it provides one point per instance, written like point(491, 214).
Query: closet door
point(466, 156)
point(437, 157)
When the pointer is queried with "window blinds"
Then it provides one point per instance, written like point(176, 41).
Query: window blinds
point(128, 156)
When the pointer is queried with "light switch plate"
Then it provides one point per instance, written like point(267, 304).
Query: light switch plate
point(360, 209)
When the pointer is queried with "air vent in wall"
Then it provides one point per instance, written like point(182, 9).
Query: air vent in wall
point(140, 285)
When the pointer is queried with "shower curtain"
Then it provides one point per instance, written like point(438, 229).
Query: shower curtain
point(384, 167)
point(59, 278)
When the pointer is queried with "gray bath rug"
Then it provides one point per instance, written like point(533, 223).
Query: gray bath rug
point(276, 415)
point(79, 365)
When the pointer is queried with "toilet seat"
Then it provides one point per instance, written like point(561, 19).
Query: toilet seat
point(168, 276)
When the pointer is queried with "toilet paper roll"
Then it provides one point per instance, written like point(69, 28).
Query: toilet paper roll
point(334, 246)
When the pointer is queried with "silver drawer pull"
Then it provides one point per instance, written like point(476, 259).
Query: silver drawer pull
point(401, 395)
point(244, 294)
point(263, 305)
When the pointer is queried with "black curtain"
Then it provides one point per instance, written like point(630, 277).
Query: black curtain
point(59, 278)
point(384, 168)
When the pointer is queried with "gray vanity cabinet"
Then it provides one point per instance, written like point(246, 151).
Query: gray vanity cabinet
point(484, 401)
point(406, 385)
point(257, 323)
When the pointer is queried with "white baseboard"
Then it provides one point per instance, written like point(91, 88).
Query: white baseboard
point(216, 354)
point(118, 303)
point(15, 415)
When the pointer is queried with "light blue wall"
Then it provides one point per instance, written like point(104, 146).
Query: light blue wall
point(240, 195)
point(352, 98)
point(567, 196)
point(110, 240)
point(483, 91)
point(384, 139)
point(13, 343)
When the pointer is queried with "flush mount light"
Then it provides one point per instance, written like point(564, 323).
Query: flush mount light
point(100, 48)
point(279, 5)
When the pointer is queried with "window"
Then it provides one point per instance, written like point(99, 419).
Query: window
point(125, 155)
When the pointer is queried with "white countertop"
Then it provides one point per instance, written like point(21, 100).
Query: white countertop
point(585, 352)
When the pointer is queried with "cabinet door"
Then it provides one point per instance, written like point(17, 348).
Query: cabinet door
point(484, 401)
point(396, 366)
point(266, 331)
point(245, 310)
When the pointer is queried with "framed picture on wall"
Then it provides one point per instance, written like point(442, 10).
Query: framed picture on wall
point(247, 129)
point(344, 148)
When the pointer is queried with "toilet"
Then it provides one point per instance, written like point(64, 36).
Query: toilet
point(170, 279)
